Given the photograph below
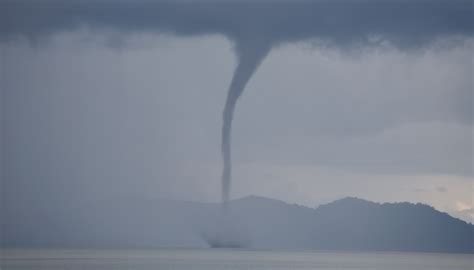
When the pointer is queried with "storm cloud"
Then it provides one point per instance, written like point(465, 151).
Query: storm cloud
point(341, 22)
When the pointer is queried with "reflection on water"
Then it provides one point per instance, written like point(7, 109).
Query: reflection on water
point(210, 259)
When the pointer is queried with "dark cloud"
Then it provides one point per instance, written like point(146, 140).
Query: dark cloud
point(405, 23)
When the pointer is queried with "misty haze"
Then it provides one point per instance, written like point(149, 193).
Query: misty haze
point(236, 134)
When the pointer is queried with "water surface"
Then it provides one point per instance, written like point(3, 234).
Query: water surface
point(210, 259)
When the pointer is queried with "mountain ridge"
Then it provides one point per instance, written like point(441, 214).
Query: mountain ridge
point(346, 224)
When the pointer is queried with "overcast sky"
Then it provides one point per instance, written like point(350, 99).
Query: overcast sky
point(93, 111)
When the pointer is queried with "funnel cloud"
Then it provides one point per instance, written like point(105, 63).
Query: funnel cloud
point(249, 57)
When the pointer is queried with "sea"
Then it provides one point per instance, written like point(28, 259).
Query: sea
point(227, 259)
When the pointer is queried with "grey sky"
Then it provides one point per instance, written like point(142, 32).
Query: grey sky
point(91, 113)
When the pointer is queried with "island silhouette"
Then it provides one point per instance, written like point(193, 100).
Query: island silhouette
point(348, 224)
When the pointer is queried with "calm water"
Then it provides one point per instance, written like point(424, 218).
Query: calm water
point(209, 259)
